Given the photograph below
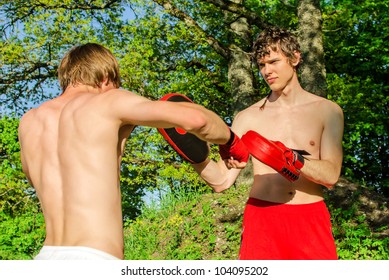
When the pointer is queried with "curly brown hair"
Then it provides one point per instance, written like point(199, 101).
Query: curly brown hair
point(275, 38)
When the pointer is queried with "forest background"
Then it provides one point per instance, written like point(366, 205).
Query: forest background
point(201, 48)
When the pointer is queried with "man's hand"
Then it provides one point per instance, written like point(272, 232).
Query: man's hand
point(234, 152)
point(275, 154)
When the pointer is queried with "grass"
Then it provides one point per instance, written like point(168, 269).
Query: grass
point(188, 226)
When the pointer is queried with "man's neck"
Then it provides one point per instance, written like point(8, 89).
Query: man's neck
point(288, 96)
point(80, 89)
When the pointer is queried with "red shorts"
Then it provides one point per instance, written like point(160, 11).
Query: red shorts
point(277, 231)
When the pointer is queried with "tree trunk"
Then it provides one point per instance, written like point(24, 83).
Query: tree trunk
point(313, 72)
point(240, 73)
point(240, 76)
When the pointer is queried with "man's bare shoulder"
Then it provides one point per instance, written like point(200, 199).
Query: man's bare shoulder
point(29, 116)
point(322, 103)
point(31, 124)
point(244, 119)
point(328, 105)
point(119, 91)
point(253, 108)
point(39, 114)
point(119, 97)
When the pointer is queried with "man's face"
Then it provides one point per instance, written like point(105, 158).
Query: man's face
point(276, 69)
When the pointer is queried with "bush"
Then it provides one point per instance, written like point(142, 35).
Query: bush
point(187, 226)
point(21, 237)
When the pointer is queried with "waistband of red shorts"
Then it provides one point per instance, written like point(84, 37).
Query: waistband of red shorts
point(289, 208)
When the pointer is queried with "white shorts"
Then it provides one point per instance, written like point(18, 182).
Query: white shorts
point(72, 253)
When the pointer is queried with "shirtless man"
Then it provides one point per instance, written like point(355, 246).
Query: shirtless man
point(71, 149)
point(285, 219)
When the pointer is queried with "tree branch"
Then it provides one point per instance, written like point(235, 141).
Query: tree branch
point(18, 12)
point(240, 10)
point(190, 22)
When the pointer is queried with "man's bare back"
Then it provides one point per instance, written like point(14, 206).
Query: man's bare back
point(73, 153)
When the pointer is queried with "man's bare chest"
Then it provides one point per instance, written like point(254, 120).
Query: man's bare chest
point(297, 130)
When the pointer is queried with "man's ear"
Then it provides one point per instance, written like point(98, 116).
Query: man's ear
point(105, 84)
point(297, 59)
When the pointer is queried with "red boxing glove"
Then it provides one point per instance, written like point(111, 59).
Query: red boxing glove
point(291, 155)
point(274, 154)
point(234, 148)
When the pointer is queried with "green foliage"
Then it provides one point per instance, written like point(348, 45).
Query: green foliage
point(355, 38)
point(21, 237)
point(35, 36)
point(150, 163)
point(365, 140)
point(21, 227)
point(355, 239)
point(186, 226)
point(164, 55)
point(16, 195)
point(357, 69)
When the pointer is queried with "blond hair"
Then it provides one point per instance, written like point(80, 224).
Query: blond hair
point(89, 64)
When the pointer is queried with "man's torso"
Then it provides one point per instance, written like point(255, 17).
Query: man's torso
point(298, 127)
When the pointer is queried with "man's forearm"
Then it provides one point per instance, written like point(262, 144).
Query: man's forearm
point(213, 173)
point(322, 172)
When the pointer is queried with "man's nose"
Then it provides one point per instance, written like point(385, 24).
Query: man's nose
point(266, 69)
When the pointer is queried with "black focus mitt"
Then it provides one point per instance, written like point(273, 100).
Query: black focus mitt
point(187, 145)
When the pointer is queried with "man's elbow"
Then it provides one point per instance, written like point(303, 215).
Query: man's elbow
point(219, 186)
point(331, 181)
point(196, 123)
point(219, 189)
